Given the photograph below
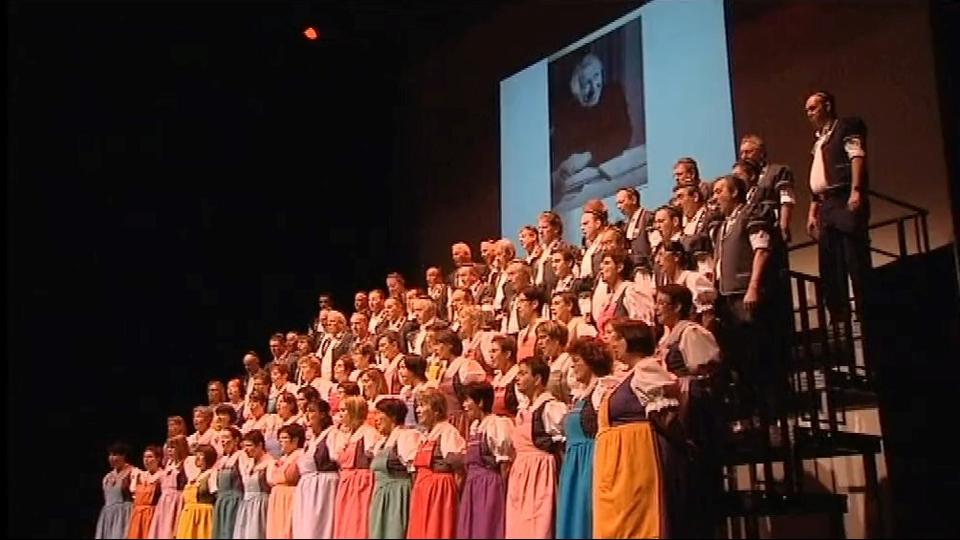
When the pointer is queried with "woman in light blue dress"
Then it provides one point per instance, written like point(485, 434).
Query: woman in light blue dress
point(118, 500)
point(252, 513)
point(229, 485)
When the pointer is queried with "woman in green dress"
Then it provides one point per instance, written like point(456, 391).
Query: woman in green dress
point(392, 464)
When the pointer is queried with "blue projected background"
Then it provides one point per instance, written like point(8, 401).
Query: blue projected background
point(667, 88)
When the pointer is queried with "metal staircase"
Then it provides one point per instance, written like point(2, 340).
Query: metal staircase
point(827, 376)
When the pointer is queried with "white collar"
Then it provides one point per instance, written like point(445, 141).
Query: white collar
point(827, 130)
point(503, 379)
point(437, 430)
point(541, 399)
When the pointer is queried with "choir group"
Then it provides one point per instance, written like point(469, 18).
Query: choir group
point(572, 392)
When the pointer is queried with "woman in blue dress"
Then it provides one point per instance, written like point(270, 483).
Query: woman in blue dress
point(252, 513)
point(590, 360)
point(118, 501)
point(229, 486)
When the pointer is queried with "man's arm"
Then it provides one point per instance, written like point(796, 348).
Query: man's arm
point(786, 211)
point(813, 222)
point(760, 257)
point(857, 169)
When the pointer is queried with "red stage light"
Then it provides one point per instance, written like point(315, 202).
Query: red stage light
point(311, 33)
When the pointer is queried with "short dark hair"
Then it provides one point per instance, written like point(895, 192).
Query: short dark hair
point(752, 167)
point(638, 335)
point(690, 162)
point(235, 433)
point(828, 99)
point(594, 354)
point(568, 253)
point(553, 219)
point(350, 388)
point(228, 411)
point(294, 431)
point(538, 367)
point(255, 436)
point(678, 249)
point(679, 295)
point(119, 448)
point(390, 335)
point(321, 406)
point(481, 393)
point(737, 184)
point(449, 338)
point(416, 365)
point(394, 408)
point(673, 211)
point(632, 191)
point(257, 396)
point(310, 393)
point(535, 293)
point(508, 344)
point(530, 228)
point(209, 454)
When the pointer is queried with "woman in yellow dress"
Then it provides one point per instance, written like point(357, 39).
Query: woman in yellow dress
point(196, 519)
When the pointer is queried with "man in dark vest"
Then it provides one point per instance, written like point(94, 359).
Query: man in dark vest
point(749, 330)
point(637, 221)
point(775, 179)
point(839, 211)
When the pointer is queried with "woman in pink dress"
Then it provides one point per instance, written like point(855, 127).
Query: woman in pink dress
point(388, 345)
point(506, 397)
point(282, 477)
point(164, 521)
point(315, 497)
point(460, 370)
point(355, 489)
point(176, 425)
point(537, 440)
point(342, 369)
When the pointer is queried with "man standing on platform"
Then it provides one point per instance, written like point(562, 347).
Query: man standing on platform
point(774, 178)
point(839, 211)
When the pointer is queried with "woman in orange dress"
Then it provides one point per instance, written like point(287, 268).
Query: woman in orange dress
point(355, 489)
point(146, 490)
point(433, 500)
point(636, 480)
point(282, 477)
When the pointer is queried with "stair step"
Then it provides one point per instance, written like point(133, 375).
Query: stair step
point(744, 503)
point(750, 446)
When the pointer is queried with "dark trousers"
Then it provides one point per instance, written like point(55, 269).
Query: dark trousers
point(754, 353)
point(844, 251)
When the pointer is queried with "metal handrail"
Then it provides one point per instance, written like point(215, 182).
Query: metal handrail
point(898, 202)
point(918, 214)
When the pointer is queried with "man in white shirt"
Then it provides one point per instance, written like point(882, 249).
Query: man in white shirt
point(425, 312)
point(839, 213)
point(591, 224)
point(377, 319)
point(635, 228)
point(550, 227)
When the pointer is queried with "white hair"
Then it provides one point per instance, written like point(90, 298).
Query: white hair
point(589, 60)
